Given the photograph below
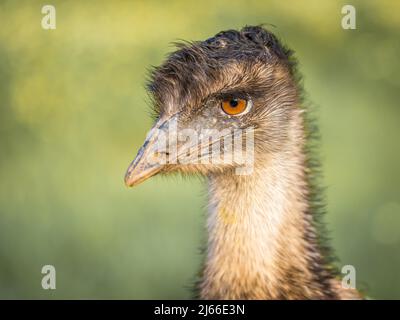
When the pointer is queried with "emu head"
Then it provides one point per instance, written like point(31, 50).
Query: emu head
point(219, 104)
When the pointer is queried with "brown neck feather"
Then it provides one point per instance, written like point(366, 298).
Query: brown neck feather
point(261, 239)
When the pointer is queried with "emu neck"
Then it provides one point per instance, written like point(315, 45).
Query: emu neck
point(261, 242)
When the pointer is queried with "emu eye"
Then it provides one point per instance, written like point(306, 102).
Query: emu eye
point(234, 106)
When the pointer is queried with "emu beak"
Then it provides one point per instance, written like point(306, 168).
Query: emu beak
point(148, 162)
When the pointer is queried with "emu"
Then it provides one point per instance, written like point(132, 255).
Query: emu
point(265, 235)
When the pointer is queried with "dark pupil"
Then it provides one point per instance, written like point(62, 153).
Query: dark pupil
point(234, 103)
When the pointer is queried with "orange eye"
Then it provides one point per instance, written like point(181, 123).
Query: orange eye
point(233, 106)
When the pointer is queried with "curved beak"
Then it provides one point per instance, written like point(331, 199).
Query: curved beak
point(151, 157)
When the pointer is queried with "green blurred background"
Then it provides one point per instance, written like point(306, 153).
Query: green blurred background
point(74, 111)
